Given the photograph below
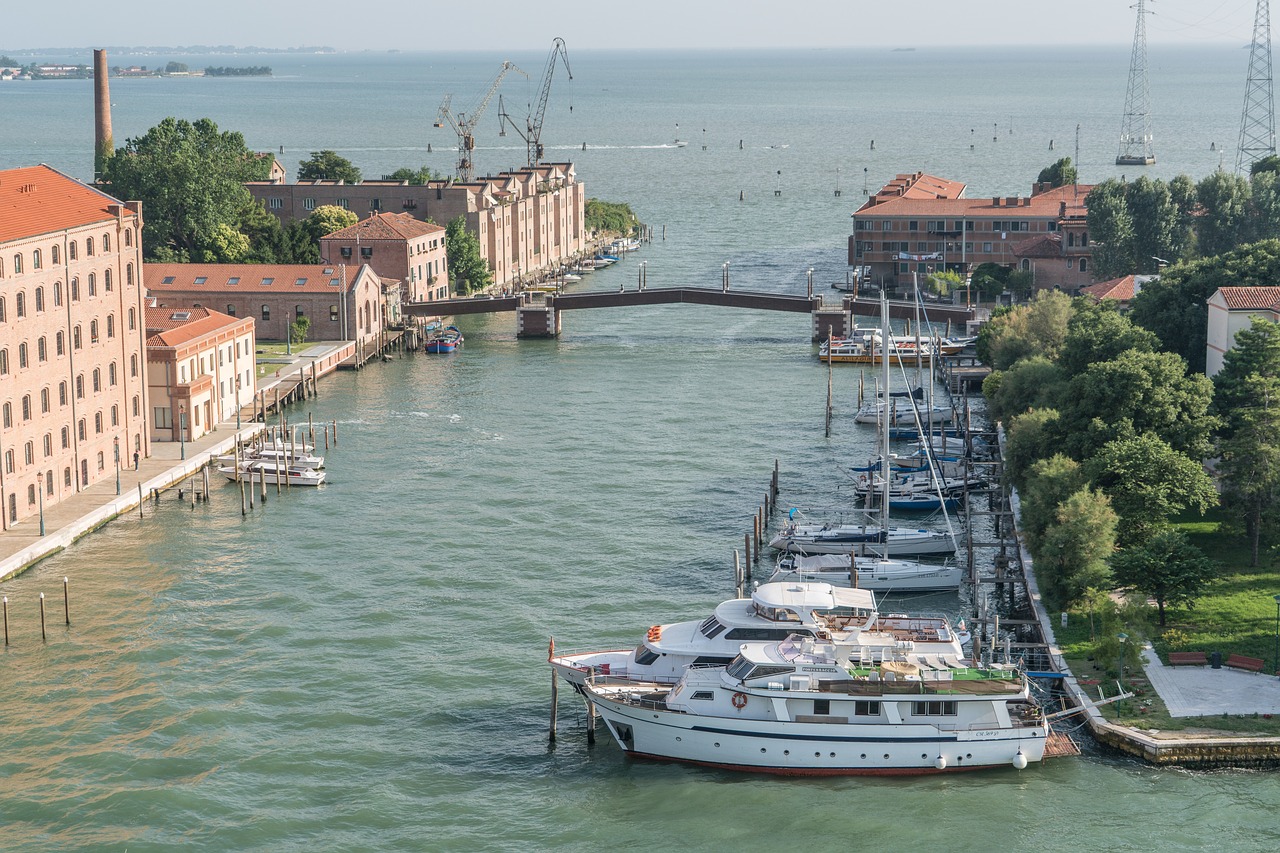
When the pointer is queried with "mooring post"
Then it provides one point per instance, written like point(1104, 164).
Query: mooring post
point(6, 620)
point(830, 361)
point(591, 723)
point(747, 551)
point(737, 574)
point(555, 690)
point(42, 634)
point(139, 499)
point(311, 430)
point(66, 599)
point(335, 433)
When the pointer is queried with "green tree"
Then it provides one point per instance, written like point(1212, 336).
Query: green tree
point(1111, 230)
point(1049, 482)
point(1175, 306)
point(1224, 212)
point(1032, 383)
point(1255, 355)
point(1038, 328)
point(1100, 333)
point(1166, 567)
point(1182, 192)
point(1148, 482)
point(1134, 393)
point(418, 177)
point(328, 166)
point(1059, 174)
point(190, 178)
point(225, 245)
point(326, 219)
point(1260, 167)
point(1073, 556)
point(1021, 283)
point(1155, 218)
point(299, 328)
point(1249, 463)
point(944, 283)
point(467, 268)
point(989, 280)
point(610, 216)
point(1031, 436)
point(1266, 205)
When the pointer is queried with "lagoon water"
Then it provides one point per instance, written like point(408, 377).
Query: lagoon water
point(362, 667)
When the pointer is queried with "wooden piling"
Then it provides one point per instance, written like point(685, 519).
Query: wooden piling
point(555, 690)
point(6, 619)
point(737, 574)
point(747, 551)
point(43, 636)
point(591, 724)
point(311, 430)
point(262, 480)
point(830, 362)
point(66, 599)
point(755, 533)
point(335, 433)
point(139, 499)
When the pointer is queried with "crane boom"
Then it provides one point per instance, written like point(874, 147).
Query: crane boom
point(532, 133)
point(464, 124)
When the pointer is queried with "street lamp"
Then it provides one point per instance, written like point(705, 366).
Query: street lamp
point(40, 493)
point(182, 431)
point(237, 402)
point(1277, 655)
point(288, 334)
point(116, 442)
point(1123, 638)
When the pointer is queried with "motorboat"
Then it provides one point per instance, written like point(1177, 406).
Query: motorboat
point(272, 472)
point(449, 339)
point(881, 575)
point(808, 706)
point(868, 539)
point(775, 611)
point(271, 454)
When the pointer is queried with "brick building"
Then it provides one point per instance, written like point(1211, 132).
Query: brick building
point(920, 223)
point(397, 247)
point(344, 302)
point(527, 221)
point(200, 369)
point(72, 356)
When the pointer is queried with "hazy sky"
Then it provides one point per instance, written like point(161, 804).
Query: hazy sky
point(507, 24)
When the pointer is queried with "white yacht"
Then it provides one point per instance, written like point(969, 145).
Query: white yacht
point(807, 707)
point(881, 575)
point(773, 612)
point(863, 539)
point(273, 472)
point(270, 454)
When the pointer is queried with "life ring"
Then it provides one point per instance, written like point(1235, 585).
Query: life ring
point(739, 700)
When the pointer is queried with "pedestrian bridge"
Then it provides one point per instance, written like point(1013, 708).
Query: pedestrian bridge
point(538, 313)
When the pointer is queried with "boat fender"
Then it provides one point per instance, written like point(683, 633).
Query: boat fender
point(1020, 761)
point(940, 763)
point(740, 702)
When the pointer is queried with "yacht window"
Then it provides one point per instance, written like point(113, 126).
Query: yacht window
point(710, 627)
point(866, 709)
point(933, 709)
point(822, 707)
point(739, 668)
point(765, 670)
point(704, 695)
point(763, 634)
point(644, 657)
point(777, 614)
point(711, 660)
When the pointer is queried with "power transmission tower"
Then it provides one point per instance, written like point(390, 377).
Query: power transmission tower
point(1135, 132)
point(1258, 123)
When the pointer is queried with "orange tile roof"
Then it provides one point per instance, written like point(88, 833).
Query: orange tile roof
point(37, 200)
point(1120, 289)
point(315, 278)
point(172, 327)
point(1250, 298)
point(1039, 246)
point(386, 226)
point(943, 204)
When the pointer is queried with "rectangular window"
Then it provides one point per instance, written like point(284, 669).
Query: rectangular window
point(309, 204)
point(866, 709)
point(276, 203)
point(933, 709)
point(986, 247)
point(913, 225)
point(164, 418)
point(342, 203)
point(886, 225)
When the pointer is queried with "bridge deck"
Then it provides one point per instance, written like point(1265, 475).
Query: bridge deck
point(614, 299)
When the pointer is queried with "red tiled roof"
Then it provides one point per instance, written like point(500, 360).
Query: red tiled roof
point(315, 278)
point(1039, 246)
point(386, 226)
point(171, 327)
point(1250, 298)
point(1043, 204)
point(39, 200)
point(1120, 289)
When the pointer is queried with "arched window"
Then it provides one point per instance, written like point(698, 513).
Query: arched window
point(8, 416)
point(39, 299)
point(44, 401)
point(75, 289)
point(3, 316)
point(128, 238)
point(42, 349)
point(48, 481)
point(133, 365)
point(115, 416)
point(88, 246)
point(97, 422)
point(66, 477)
point(57, 294)
point(135, 405)
point(35, 259)
point(111, 373)
point(29, 454)
point(48, 444)
point(22, 354)
point(8, 461)
point(97, 380)
point(66, 438)
point(266, 312)
point(231, 310)
point(82, 429)
point(80, 387)
point(26, 407)
point(298, 311)
point(20, 301)
point(106, 279)
point(71, 250)
point(17, 264)
point(1084, 265)
point(60, 344)
point(93, 331)
point(62, 393)
point(111, 325)
point(76, 342)
point(102, 461)
point(4, 362)
point(1026, 264)
point(93, 284)
point(31, 494)
point(106, 242)
point(128, 270)
point(53, 256)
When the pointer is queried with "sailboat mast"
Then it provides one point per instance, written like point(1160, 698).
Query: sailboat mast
point(884, 427)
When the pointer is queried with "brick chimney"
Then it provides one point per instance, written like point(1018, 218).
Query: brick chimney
point(103, 145)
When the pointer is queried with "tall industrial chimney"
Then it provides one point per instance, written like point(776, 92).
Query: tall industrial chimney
point(103, 146)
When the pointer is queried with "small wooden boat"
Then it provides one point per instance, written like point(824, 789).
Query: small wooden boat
point(448, 340)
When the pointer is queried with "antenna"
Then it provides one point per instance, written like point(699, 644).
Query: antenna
point(1258, 121)
point(1135, 131)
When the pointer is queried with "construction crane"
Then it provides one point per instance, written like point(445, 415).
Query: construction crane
point(464, 124)
point(532, 133)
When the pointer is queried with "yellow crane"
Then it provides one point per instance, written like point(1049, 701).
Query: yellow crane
point(464, 124)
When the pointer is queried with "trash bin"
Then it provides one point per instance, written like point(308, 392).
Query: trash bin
point(1215, 660)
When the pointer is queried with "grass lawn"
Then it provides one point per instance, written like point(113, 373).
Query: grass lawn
point(1236, 615)
point(269, 350)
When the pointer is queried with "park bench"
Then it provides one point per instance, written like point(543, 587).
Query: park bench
point(1188, 659)
point(1242, 662)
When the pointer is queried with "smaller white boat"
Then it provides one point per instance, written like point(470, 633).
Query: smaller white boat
point(862, 539)
point(270, 454)
point(272, 473)
point(880, 575)
point(569, 276)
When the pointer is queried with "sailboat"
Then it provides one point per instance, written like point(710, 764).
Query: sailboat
point(866, 539)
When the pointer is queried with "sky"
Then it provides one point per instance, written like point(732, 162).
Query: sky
point(650, 24)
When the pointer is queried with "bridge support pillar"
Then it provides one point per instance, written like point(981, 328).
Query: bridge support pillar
point(537, 321)
point(830, 321)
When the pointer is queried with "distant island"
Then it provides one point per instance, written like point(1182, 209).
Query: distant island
point(247, 71)
point(180, 50)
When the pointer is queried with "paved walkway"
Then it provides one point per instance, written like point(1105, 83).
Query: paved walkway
point(68, 520)
point(1196, 691)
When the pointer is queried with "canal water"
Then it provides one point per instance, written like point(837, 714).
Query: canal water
point(363, 666)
